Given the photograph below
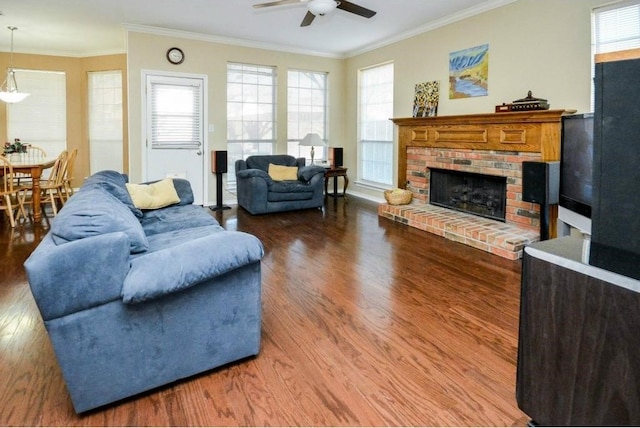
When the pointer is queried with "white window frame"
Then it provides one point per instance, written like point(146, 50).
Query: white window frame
point(253, 107)
point(307, 111)
point(614, 27)
point(375, 129)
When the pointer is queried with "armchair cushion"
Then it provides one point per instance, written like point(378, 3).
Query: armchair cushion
point(282, 173)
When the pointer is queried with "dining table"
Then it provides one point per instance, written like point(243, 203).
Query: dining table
point(33, 166)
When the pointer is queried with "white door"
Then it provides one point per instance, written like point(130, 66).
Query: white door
point(175, 138)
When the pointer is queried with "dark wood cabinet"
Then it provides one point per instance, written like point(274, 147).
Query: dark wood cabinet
point(579, 341)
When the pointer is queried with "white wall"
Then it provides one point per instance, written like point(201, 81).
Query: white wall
point(538, 45)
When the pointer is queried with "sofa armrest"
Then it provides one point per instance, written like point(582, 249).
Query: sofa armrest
point(176, 268)
point(77, 275)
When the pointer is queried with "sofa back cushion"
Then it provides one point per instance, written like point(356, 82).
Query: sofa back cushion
point(95, 211)
point(262, 161)
point(114, 183)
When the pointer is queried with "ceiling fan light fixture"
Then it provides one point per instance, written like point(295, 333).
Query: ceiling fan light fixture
point(9, 92)
point(321, 7)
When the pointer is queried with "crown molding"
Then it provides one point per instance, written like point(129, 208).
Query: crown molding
point(158, 31)
point(464, 14)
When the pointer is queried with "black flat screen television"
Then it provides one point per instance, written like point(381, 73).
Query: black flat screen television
point(576, 163)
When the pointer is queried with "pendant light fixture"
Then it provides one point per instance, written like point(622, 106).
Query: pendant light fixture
point(9, 92)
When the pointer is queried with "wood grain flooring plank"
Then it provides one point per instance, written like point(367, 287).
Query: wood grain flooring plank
point(366, 322)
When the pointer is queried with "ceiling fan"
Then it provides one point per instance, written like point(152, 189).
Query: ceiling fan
point(321, 7)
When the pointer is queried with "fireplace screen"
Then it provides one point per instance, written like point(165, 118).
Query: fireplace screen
point(483, 195)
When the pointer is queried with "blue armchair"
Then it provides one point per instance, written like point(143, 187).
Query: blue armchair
point(258, 193)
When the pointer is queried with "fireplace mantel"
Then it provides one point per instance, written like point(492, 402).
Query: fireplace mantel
point(535, 131)
point(492, 144)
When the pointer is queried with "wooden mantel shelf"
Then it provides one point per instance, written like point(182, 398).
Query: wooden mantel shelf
point(535, 131)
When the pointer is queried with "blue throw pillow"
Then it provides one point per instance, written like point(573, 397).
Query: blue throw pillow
point(94, 211)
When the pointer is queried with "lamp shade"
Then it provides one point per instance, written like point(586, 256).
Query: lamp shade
point(320, 7)
point(312, 139)
point(9, 90)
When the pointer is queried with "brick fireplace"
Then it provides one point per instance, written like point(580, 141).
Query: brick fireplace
point(489, 144)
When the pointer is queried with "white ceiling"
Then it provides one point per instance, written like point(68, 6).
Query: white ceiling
point(97, 27)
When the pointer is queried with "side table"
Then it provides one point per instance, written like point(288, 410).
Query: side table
point(335, 172)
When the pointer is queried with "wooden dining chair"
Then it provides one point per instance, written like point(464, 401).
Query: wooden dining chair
point(33, 154)
point(68, 175)
point(11, 193)
point(52, 189)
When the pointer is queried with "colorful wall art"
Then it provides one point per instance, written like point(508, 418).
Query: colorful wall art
point(425, 103)
point(469, 72)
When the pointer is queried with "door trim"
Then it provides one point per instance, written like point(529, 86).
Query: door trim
point(205, 116)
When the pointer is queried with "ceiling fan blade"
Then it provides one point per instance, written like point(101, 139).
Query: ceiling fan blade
point(354, 8)
point(308, 19)
point(276, 3)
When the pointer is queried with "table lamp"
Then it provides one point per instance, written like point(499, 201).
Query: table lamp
point(312, 139)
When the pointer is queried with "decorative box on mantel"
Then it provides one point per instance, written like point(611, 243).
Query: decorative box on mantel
point(490, 144)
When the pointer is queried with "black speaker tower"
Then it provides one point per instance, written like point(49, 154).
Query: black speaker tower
point(219, 167)
point(541, 185)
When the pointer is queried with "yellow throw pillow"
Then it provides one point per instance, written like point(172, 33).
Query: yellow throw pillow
point(281, 172)
point(156, 195)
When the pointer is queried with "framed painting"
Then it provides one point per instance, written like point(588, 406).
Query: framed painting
point(469, 72)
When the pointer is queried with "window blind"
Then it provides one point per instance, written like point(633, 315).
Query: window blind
point(175, 117)
point(306, 111)
point(617, 27)
point(41, 119)
point(105, 120)
point(375, 129)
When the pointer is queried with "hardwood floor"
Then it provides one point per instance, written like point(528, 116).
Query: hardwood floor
point(365, 322)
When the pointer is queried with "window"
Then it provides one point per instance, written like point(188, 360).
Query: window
point(250, 112)
point(176, 111)
point(306, 111)
point(41, 119)
point(105, 121)
point(375, 130)
point(615, 27)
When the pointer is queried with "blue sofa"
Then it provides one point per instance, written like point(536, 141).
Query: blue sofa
point(258, 193)
point(133, 300)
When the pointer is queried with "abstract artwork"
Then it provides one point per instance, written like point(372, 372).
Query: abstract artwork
point(469, 72)
point(425, 103)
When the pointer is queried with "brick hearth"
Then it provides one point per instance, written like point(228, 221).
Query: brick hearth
point(502, 239)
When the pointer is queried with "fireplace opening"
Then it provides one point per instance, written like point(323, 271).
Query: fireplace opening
point(479, 194)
